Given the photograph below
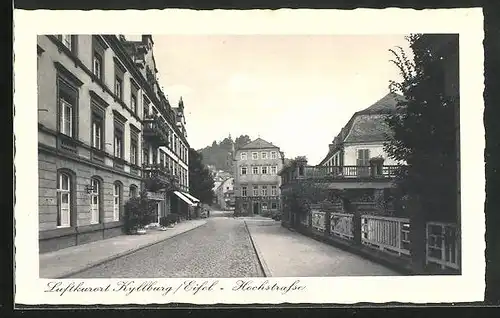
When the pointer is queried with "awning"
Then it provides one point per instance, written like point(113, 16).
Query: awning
point(184, 198)
point(191, 197)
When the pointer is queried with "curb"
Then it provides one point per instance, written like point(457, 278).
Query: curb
point(116, 256)
point(263, 266)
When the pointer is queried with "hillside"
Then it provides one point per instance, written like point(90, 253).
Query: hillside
point(218, 154)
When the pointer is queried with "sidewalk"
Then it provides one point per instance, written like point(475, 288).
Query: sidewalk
point(284, 253)
point(68, 261)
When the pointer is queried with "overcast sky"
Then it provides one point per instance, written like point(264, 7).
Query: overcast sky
point(294, 91)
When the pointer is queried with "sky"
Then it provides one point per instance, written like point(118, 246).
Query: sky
point(296, 92)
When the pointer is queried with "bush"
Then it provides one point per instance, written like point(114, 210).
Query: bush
point(139, 211)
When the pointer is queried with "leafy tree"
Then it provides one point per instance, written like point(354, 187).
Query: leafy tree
point(201, 181)
point(139, 211)
point(424, 138)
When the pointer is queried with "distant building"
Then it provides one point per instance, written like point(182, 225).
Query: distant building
point(256, 179)
point(225, 194)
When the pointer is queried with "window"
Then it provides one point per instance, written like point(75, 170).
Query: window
point(274, 206)
point(97, 66)
point(133, 191)
point(67, 102)
point(264, 206)
point(133, 103)
point(145, 156)
point(63, 200)
point(116, 201)
point(264, 170)
point(145, 107)
point(65, 116)
point(273, 155)
point(263, 155)
point(118, 143)
point(363, 157)
point(274, 170)
point(118, 87)
point(255, 191)
point(243, 170)
point(98, 49)
point(264, 191)
point(274, 190)
point(255, 170)
point(243, 156)
point(94, 201)
point(97, 130)
point(255, 155)
point(134, 149)
point(69, 41)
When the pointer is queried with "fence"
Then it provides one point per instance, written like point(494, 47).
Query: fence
point(442, 245)
point(392, 235)
point(386, 233)
point(341, 225)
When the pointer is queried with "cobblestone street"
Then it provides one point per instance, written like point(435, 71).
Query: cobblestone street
point(221, 248)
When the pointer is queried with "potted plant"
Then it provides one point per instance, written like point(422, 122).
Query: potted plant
point(376, 165)
point(138, 213)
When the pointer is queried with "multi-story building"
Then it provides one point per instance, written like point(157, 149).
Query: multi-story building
point(225, 194)
point(256, 179)
point(356, 161)
point(104, 128)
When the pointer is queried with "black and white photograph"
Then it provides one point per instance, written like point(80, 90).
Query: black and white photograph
point(250, 162)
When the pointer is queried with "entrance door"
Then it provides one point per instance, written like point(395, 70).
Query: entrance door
point(256, 208)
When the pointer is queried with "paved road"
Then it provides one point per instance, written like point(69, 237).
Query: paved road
point(221, 248)
point(288, 253)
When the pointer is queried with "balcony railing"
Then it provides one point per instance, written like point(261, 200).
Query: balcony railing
point(341, 172)
point(157, 171)
point(155, 131)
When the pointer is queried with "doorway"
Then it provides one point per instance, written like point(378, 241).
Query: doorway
point(256, 208)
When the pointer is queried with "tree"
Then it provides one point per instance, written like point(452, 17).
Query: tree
point(201, 182)
point(424, 138)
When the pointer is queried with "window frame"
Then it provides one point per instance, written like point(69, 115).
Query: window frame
point(97, 115)
point(244, 168)
point(363, 160)
point(95, 209)
point(274, 190)
point(263, 155)
point(68, 193)
point(274, 206)
point(274, 155)
point(263, 191)
point(274, 170)
point(117, 195)
point(255, 155)
point(255, 168)
point(243, 156)
point(264, 170)
point(73, 47)
point(118, 131)
point(66, 87)
point(255, 191)
point(134, 141)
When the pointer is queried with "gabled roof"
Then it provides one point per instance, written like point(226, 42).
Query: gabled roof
point(258, 144)
point(368, 125)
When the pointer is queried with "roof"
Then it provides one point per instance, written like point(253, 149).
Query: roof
point(258, 144)
point(368, 125)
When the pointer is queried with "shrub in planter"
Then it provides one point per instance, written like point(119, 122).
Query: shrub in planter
point(139, 211)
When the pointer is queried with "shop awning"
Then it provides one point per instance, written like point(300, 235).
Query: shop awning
point(184, 198)
point(195, 200)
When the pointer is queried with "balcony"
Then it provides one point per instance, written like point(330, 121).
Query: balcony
point(157, 177)
point(377, 176)
point(155, 131)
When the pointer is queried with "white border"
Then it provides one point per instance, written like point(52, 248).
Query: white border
point(467, 22)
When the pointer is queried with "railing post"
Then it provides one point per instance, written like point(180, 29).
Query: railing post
point(353, 209)
point(443, 246)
